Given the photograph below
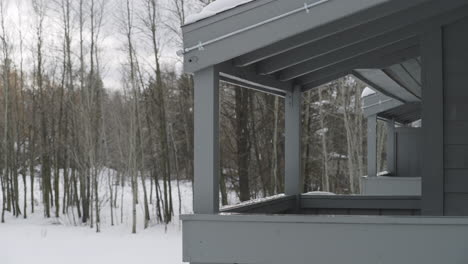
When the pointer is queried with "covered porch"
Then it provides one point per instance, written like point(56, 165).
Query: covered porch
point(286, 48)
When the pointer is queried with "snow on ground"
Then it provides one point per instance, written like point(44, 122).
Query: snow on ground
point(64, 240)
point(38, 241)
point(214, 8)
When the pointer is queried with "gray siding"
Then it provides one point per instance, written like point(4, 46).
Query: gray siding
point(408, 152)
point(456, 118)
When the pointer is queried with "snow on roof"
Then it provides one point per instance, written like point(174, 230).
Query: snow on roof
point(214, 8)
point(367, 91)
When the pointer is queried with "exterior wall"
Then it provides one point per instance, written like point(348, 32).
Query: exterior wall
point(408, 152)
point(391, 185)
point(455, 57)
point(407, 177)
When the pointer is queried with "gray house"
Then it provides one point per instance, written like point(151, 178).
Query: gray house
point(415, 54)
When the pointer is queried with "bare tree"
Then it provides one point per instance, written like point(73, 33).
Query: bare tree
point(323, 135)
point(6, 95)
point(151, 25)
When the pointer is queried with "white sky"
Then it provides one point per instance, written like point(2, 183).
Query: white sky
point(112, 43)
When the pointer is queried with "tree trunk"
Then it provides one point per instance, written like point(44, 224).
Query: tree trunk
point(326, 179)
point(243, 148)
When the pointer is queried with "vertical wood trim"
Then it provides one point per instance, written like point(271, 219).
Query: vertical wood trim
point(391, 147)
point(292, 175)
point(432, 123)
point(372, 146)
point(206, 141)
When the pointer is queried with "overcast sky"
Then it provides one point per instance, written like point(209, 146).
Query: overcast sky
point(19, 15)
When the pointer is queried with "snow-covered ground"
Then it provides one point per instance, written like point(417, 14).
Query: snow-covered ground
point(61, 240)
point(64, 240)
point(40, 241)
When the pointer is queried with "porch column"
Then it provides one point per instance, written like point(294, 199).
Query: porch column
point(391, 164)
point(206, 141)
point(372, 146)
point(432, 58)
point(292, 176)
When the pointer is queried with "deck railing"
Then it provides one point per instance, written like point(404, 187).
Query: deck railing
point(331, 205)
point(301, 239)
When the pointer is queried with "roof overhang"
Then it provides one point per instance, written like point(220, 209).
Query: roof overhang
point(272, 45)
point(388, 108)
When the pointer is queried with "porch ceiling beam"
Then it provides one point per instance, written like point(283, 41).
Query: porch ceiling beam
point(383, 80)
point(324, 80)
point(233, 80)
point(376, 86)
point(382, 106)
point(329, 59)
point(365, 49)
point(404, 79)
point(336, 46)
point(313, 44)
point(387, 60)
point(270, 23)
point(247, 77)
point(397, 51)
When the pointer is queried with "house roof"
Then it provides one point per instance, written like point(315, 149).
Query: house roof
point(272, 45)
point(389, 108)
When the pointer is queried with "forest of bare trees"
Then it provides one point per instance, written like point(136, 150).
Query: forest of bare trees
point(62, 125)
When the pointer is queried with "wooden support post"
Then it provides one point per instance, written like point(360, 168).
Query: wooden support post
point(206, 141)
point(292, 176)
point(432, 202)
point(372, 146)
point(391, 147)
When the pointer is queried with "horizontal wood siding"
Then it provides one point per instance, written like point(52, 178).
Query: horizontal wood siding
point(456, 156)
point(408, 152)
point(456, 180)
point(456, 132)
point(456, 204)
point(456, 118)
